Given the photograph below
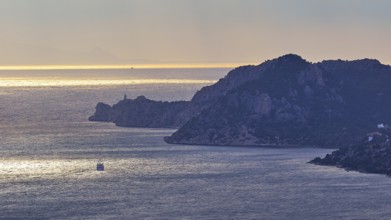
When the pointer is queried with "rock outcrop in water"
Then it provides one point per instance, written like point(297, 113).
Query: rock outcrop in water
point(372, 155)
point(285, 101)
point(142, 112)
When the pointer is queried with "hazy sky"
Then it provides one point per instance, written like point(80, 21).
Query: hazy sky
point(69, 32)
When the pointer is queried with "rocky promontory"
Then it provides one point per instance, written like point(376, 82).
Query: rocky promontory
point(284, 101)
point(141, 112)
point(371, 155)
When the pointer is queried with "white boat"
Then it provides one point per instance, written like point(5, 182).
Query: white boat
point(100, 166)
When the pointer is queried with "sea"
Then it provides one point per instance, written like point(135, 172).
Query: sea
point(49, 152)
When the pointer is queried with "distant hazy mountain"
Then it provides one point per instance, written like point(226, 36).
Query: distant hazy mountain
point(23, 54)
point(285, 101)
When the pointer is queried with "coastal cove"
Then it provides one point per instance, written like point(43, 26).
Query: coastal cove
point(195, 110)
point(147, 178)
point(286, 101)
point(49, 153)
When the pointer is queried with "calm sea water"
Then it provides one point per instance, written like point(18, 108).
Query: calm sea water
point(48, 155)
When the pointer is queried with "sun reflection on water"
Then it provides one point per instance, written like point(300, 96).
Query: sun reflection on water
point(27, 169)
point(47, 82)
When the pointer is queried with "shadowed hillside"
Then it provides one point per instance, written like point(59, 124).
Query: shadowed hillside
point(284, 101)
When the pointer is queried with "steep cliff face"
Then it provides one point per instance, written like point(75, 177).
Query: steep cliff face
point(129, 113)
point(284, 101)
point(294, 102)
point(209, 95)
point(235, 78)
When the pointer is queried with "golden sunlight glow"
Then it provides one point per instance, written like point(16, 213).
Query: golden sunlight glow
point(26, 169)
point(47, 82)
point(136, 66)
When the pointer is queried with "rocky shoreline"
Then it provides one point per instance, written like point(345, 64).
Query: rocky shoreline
point(371, 155)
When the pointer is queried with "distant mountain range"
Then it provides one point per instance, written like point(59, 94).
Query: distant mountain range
point(284, 101)
point(17, 54)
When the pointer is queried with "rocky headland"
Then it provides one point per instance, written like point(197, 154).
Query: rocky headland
point(284, 101)
point(141, 112)
point(371, 155)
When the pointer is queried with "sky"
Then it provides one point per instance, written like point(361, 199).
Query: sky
point(184, 32)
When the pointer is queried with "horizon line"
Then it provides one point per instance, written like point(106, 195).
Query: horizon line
point(125, 66)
